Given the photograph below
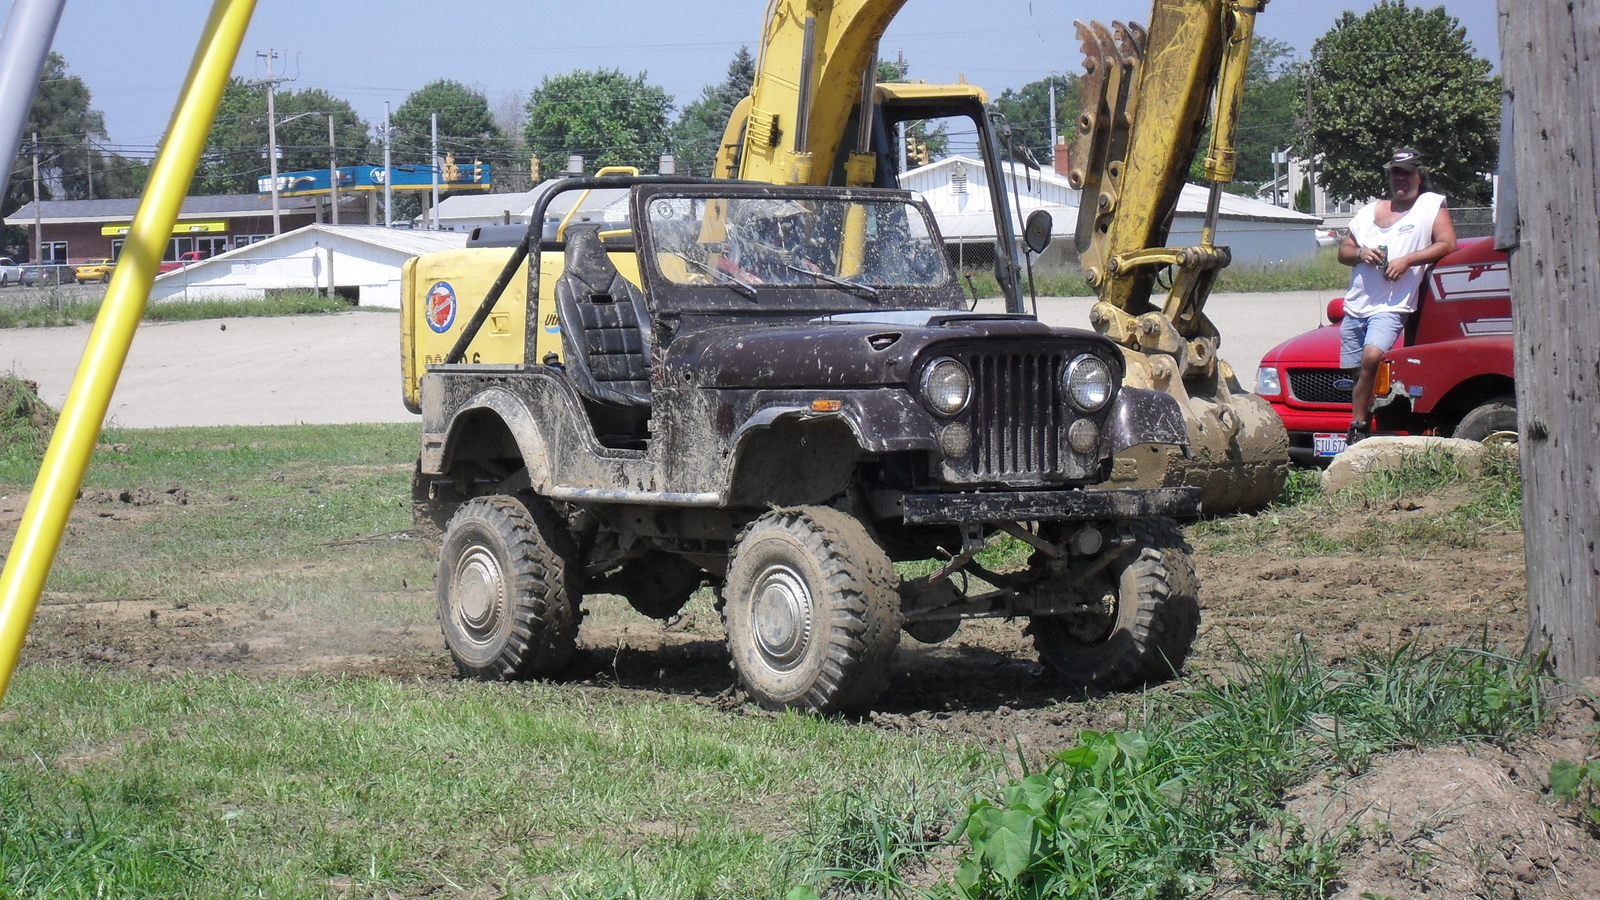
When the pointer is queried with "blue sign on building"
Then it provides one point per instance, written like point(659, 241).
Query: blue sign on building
point(312, 182)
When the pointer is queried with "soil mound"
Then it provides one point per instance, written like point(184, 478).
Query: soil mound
point(25, 420)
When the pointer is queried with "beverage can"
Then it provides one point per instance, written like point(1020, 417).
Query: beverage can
point(1383, 251)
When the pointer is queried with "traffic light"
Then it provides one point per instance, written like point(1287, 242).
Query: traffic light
point(477, 170)
point(451, 171)
point(533, 169)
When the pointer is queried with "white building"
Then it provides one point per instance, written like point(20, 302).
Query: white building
point(359, 262)
point(957, 189)
point(464, 212)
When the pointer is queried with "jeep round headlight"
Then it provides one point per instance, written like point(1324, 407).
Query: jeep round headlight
point(947, 386)
point(1087, 380)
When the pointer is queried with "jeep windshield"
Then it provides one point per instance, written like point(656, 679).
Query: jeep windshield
point(804, 247)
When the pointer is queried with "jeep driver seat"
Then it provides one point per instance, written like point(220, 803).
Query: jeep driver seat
point(602, 318)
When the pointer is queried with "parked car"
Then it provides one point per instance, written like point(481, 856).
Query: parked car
point(183, 261)
point(12, 273)
point(1450, 374)
point(94, 270)
point(1327, 237)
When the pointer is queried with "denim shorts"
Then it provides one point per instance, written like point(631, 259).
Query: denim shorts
point(1379, 330)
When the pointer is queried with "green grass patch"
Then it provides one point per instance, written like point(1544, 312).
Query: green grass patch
point(223, 787)
point(25, 420)
point(1316, 272)
point(1430, 499)
point(55, 307)
point(1192, 801)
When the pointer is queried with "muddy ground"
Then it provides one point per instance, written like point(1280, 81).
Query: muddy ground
point(1447, 823)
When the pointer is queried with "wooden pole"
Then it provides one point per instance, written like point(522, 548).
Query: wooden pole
point(1550, 58)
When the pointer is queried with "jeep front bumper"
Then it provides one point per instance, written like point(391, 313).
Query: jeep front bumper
point(1037, 506)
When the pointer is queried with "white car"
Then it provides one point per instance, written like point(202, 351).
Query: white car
point(1327, 237)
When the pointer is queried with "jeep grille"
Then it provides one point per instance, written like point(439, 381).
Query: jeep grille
point(1321, 385)
point(1016, 414)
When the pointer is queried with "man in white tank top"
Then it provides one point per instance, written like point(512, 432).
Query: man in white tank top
point(1391, 244)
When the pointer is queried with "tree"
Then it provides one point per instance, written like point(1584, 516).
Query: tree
point(1398, 76)
point(236, 149)
point(467, 128)
point(602, 115)
point(1272, 85)
point(1027, 111)
point(697, 135)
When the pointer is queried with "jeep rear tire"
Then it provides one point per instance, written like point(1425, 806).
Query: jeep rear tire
point(507, 603)
point(1490, 417)
point(812, 613)
point(1144, 624)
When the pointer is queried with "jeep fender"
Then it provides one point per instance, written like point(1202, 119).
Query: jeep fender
point(1140, 416)
point(883, 421)
point(492, 403)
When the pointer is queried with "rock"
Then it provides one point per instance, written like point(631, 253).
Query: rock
point(1379, 454)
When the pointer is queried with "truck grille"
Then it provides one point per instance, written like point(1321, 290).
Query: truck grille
point(1322, 385)
point(1016, 414)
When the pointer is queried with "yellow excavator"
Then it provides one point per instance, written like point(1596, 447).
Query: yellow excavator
point(816, 116)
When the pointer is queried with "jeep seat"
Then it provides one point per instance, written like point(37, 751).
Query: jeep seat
point(602, 318)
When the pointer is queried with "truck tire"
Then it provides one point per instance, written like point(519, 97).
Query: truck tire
point(507, 602)
point(1498, 414)
point(657, 585)
point(1147, 623)
point(812, 613)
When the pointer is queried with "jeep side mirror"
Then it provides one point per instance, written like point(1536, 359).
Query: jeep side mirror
point(1336, 310)
point(1036, 234)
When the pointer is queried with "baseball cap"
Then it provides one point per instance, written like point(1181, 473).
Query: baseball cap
point(1404, 158)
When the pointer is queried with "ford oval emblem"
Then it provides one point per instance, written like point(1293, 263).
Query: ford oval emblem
point(1345, 384)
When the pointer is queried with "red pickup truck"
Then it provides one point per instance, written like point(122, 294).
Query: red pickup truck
point(184, 259)
point(1450, 374)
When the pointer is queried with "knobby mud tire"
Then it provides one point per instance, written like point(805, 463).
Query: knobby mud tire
point(1157, 616)
point(835, 652)
point(508, 601)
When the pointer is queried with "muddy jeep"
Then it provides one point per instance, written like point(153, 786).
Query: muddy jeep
point(789, 396)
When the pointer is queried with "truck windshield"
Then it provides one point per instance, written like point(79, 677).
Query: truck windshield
point(745, 243)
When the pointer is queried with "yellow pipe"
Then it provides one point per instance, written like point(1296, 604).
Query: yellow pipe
point(61, 473)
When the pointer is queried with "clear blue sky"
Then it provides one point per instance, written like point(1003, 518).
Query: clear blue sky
point(133, 54)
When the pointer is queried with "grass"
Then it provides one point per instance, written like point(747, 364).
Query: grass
point(1319, 271)
point(58, 306)
point(1434, 498)
point(25, 419)
point(117, 783)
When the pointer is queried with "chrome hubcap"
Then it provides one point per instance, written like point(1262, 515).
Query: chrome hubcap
point(479, 591)
point(781, 616)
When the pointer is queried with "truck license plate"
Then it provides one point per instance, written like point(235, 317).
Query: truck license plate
point(1328, 444)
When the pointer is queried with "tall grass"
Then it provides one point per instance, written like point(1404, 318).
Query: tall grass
point(55, 307)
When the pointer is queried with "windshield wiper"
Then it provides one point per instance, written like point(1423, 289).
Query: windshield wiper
point(860, 290)
point(720, 276)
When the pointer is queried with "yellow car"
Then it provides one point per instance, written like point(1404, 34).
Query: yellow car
point(94, 270)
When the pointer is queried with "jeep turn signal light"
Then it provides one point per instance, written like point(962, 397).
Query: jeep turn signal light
point(826, 405)
point(1380, 387)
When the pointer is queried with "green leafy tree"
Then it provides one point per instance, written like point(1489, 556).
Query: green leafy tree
point(1399, 76)
point(236, 149)
point(1272, 86)
point(1027, 111)
point(603, 115)
point(467, 127)
point(72, 162)
point(697, 135)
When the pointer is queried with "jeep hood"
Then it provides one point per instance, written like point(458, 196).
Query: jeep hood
point(848, 350)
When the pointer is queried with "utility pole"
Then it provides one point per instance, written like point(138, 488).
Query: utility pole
point(1054, 137)
point(388, 171)
point(433, 212)
point(1311, 152)
point(1550, 62)
point(88, 164)
point(271, 83)
point(38, 224)
point(333, 171)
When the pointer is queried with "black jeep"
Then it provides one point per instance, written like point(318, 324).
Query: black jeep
point(794, 396)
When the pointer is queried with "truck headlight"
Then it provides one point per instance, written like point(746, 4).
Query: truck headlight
point(946, 386)
point(1087, 380)
point(1267, 383)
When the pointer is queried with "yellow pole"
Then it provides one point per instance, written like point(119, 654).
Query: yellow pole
point(61, 473)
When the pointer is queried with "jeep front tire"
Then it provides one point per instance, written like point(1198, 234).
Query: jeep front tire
point(1138, 623)
point(507, 603)
point(812, 613)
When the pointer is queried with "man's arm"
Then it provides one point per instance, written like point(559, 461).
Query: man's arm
point(1351, 253)
point(1444, 244)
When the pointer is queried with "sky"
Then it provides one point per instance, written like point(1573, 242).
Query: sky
point(133, 55)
